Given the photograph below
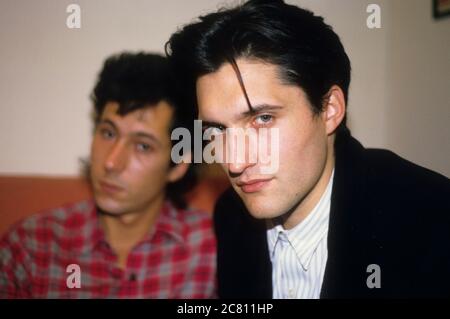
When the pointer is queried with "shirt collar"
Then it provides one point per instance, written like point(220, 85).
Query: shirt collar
point(169, 223)
point(305, 237)
point(84, 227)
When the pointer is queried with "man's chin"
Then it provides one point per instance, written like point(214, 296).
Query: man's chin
point(110, 207)
point(260, 210)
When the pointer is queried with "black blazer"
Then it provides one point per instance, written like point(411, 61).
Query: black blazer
point(384, 210)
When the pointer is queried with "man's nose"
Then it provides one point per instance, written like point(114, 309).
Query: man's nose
point(240, 157)
point(116, 158)
point(235, 169)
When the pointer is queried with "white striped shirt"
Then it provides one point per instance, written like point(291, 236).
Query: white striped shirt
point(299, 255)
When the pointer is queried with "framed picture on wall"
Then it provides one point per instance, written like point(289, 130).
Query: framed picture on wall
point(441, 8)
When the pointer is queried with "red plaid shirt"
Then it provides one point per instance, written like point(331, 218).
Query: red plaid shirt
point(176, 260)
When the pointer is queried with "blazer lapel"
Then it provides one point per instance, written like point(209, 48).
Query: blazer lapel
point(348, 234)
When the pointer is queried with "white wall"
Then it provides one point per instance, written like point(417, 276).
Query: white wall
point(367, 51)
point(47, 72)
point(418, 74)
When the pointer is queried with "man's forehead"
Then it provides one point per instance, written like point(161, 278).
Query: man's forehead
point(148, 113)
point(221, 92)
point(155, 120)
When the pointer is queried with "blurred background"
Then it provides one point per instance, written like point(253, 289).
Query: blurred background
point(399, 96)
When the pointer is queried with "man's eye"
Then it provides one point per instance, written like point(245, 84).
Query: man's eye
point(106, 133)
point(143, 147)
point(212, 131)
point(263, 119)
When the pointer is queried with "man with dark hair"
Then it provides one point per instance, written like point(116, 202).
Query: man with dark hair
point(136, 239)
point(335, 220)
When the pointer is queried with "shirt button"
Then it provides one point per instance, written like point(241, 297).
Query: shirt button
point(132, 277)
point(291, 293)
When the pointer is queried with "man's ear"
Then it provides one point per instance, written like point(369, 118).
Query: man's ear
point(177, 172)
point(334, 109)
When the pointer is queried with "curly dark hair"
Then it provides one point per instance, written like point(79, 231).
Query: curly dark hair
point(138, 80)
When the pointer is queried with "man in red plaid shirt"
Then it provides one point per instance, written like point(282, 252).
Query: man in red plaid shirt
point(135, 239)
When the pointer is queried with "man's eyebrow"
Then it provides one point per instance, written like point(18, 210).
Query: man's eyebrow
point(259, 108)
point(211, 124)
point(107, 121)
point(137, 133)
point(147, 135)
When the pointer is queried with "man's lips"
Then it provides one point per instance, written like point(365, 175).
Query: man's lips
point(253, 185)
point(110, 187)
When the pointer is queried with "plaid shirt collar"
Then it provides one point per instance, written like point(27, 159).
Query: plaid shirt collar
point(168, 225)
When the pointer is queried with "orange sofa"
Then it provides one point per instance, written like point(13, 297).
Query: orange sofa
point(21, 196)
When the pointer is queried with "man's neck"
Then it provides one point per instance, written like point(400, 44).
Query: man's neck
point(311, 199)
point(124, 231)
